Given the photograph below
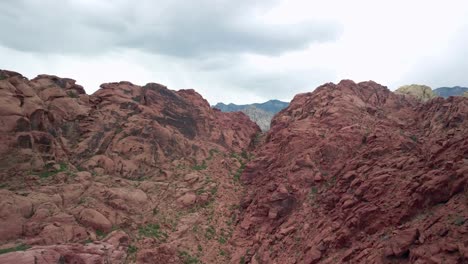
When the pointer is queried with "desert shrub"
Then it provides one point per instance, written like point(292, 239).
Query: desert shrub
point(21, 247)
point(187, 258)
point(152, 230)
point(200, 167)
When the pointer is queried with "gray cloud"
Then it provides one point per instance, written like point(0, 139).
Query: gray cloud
point(283, 85)
point(170, 27)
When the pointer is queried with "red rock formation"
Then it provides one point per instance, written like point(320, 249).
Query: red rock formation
point(353, 173)
point(74, 167)
point(122, 128)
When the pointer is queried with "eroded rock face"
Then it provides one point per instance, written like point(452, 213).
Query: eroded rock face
point(76, 167)
point(122, 129)
point(350, 173)
point(354, 173)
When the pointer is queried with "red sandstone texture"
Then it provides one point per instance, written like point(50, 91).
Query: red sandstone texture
point(350, 173)
point(154, 164)
point(353, 173)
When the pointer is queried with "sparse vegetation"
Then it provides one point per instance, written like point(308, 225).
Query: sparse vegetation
point(49, 172)
point(187, 258)
point(210, 232)
point(196, 228)
point(153, 230)
point(137, 99)
point(414, 138)
point(239, 172)
point(212, 153)
point(313, 192)
point(242, 260)
point(459, 220)
point(243, 158)
point(257, 138)
point(214, 190)
point(21, 247)
point(222, 239)
point(200, 167)
point(82, 200)
point(231, 220)
point(132, 249)
point(100, 234)
point(73, 94)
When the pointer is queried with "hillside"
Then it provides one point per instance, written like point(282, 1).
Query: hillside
point(353, 173)
point(348, 173)
point(129, 174)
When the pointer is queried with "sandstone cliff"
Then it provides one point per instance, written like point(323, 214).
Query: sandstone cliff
point(349, 173)
point(130, 173)
point(353, 173)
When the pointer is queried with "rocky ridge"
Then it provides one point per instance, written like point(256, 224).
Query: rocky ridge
point(349, 173)
point(353, 173)
point(129, 174)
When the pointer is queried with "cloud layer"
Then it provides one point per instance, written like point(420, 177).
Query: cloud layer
point(169, 27)
point(237, 51)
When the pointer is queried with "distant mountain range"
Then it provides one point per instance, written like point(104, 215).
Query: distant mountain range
point(272, 106)
point(450, 91)
point(260, 113)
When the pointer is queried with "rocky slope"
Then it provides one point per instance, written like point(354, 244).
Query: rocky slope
point(129, 174)
point(353, 173)
point(450, 91)
point(421, 92)
point(260, 113)
point(350, 173)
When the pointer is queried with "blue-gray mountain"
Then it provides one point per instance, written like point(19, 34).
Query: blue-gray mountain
point(272, 106)
point(260, 113)
point(450, 91)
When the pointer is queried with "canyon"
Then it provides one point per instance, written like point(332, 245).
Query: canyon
point(348, 173)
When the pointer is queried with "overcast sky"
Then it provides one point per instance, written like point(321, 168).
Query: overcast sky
point(240, 51)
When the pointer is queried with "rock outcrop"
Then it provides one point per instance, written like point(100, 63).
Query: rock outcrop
point(353, 173)
point(349, 173)
point(421, 92)
point(76, 167)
